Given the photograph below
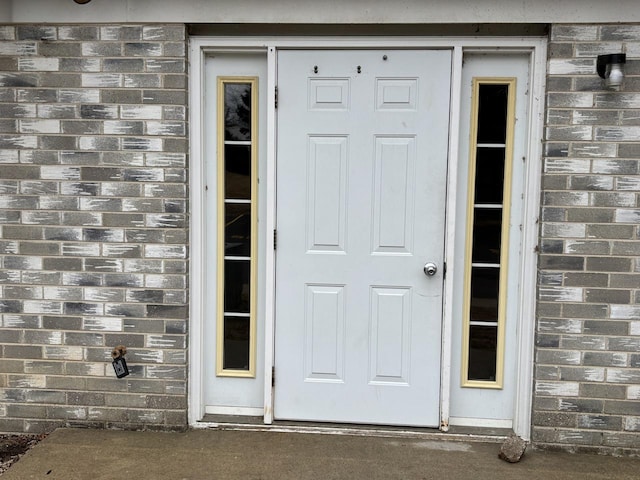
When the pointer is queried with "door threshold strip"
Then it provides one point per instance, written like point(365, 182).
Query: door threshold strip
point(455, 434)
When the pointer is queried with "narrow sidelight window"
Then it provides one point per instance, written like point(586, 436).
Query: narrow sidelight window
point(237, 225)
point(490, 164)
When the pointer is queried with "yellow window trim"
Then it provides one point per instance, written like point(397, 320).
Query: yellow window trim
point(220, 371)
point(504, 241)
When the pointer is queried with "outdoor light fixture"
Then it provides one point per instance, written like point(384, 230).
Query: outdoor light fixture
point(610, 67)
point(82, 2)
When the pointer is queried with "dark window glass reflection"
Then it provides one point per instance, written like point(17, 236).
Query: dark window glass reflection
point(237, 229)
point(484, 294)
point(237, 111)
point(492, 113)
point(483, 343)
point(237, 289)
point(237, 171)
point(489, 175)
point(487, 233)
point(236, 343)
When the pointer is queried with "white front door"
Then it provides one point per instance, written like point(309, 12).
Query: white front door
point(361, 175)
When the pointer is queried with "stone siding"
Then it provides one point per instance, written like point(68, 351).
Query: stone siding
point(587, 380)
point(93, 244)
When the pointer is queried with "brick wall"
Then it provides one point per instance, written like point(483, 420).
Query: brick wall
point(588, 330)
point(93, 225)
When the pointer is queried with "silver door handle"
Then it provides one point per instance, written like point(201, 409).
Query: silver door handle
point(430, 269)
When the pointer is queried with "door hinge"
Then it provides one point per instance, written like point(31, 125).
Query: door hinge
point(273, 376)
point(275, 238)
point(275, 102)
point(444, 270)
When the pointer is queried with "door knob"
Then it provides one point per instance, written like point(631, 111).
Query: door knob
point(430, 269)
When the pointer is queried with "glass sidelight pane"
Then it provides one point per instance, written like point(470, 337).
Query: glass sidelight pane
point(237, 229)
point(237, 171)
point(237, 339)
point(237, 286)
point(237, 111)
point(492, 113)
point(487, 232)
point(485, 285)
point(483, 344)
point(489, 182)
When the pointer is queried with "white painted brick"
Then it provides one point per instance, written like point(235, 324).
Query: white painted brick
point(62, 293)
point(608, 167)
point(165, 159)
point(38, 64)
point(632, 424)
point(165, 128)
point(101, 80)
point(561, 294)
point(150, 356)
point(571, 67)
point(63, 353)
point(628, 183)
point(88, 143)
point(633, 49)
point(159, 341)
point(39, 126)
point(624, 215)
point(565, 326)
point(621, 375)
point(558, 389)
point(163, 281)
point(150, 144)
point(102, 295)
point(618, 134)
point(3, 410)
point(633, 393)
point(81, 249)
point(79, 96)
point(575, 246)
point(564, 230)
point(109, 324)
point(595, 150)
point(625, 312)
point(21, 141)
point(594, 374)
point(634, 328)
point(17, 48)
point(142, 112)
point(16, 321)
point(29, 381)
point(117, 249)
point(42, 307)
point(55, 172)
point(165, 251)
point(117, 127)
point(566, 166)
point(9, 156)
point(95, 369)
point(619, 100)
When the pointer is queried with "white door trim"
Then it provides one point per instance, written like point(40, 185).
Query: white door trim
point(199, 46)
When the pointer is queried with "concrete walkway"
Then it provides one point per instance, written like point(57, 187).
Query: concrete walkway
point(215, 454)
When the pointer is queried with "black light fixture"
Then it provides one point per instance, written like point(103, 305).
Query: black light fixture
point(610, 67)
point(82, 2)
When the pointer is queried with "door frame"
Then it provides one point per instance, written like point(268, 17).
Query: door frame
point(534, 46)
